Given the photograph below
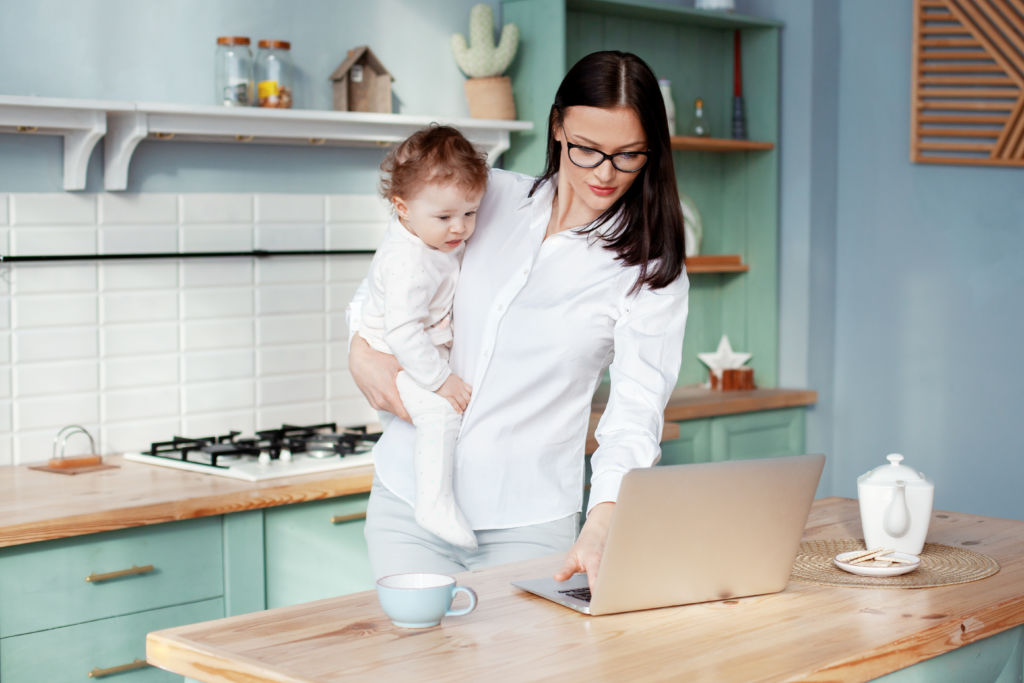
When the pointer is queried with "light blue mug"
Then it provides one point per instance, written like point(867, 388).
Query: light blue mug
point(421, 600)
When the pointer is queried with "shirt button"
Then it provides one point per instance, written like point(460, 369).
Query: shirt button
point(500, 307)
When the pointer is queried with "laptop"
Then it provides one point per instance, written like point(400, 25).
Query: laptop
point(683, 534)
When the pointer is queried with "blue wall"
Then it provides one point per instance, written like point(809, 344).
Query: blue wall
point(154, 51)
point(909, 289)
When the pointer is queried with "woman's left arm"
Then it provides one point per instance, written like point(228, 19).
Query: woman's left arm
point(648, 348)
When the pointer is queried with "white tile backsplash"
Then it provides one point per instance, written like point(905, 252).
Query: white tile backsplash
point(290, 208)
point(290, 236)
point(43, 379)
point(216, 334)
point(137, 209)
point(143, 239)
point(139, 371)
point(38, 241)
point(162, 402)
point(207, 397)
point(133, 276)
point(287, 360)
point(205, 367)
point(219, 303)
point(30, 278)
point(137, 340)
point(55, 411)
point(216, 238)
point(289, 329)
point(137, 307)
point(54, 344)
point(53, 208)
point(216, 208)
point(356, 208)
point(141, 350)
point(289, 299)
point(52, 310)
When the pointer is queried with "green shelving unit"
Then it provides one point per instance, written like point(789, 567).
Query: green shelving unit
point(736, 190)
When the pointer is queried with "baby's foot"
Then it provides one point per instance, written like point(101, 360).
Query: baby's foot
point(447, 522)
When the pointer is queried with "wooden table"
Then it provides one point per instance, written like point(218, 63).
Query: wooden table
point(807, 632)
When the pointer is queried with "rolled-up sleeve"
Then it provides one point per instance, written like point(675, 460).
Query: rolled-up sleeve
point(648, 347)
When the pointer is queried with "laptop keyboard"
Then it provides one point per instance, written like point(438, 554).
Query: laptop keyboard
point(578, 593)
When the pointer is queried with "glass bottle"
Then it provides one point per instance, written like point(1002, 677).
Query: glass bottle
point(699, 125)
point(233, 71)
point(274, 74)
point(670, 106)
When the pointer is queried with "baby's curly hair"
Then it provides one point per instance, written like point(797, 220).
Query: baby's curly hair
point(435, 154)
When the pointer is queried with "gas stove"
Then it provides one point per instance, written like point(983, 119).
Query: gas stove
point(287, 451)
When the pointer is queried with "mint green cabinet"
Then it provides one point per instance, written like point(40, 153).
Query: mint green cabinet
point(765, 434)
point(68, 581)
point(316, 550)
point(97, 649)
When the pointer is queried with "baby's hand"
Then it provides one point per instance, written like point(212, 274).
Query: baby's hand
point(456, 391)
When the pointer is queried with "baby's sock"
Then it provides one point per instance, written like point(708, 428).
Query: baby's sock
point(437, 428)
point(436, 510)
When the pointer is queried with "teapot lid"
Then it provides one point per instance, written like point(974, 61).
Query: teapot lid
point(893, 472)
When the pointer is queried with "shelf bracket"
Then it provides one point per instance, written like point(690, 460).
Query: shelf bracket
point(78, 146)
point(125, 131)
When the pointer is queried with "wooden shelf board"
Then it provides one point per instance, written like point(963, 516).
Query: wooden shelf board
point(693, 144)
point(716, 263)
point(693, 402)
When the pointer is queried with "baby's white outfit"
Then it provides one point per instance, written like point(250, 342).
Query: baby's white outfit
point(407, 313)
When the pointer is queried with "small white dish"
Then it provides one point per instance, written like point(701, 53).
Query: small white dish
point(868, 570)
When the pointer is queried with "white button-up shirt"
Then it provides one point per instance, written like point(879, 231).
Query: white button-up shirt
point(536, 322)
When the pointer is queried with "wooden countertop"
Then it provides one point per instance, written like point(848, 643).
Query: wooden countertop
point(40, 506)
point(807, 632)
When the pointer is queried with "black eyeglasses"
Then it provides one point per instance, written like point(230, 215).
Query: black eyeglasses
point(588, 157)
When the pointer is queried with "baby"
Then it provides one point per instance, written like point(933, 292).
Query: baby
point(434, 180)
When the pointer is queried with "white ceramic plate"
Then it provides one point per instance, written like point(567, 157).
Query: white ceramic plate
point(894, 570)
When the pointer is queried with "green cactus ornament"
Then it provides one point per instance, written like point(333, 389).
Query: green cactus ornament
point(481, 58)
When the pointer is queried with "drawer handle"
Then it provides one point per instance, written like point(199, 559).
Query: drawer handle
point(132, 571)
point(341, 519)
point(131, 666)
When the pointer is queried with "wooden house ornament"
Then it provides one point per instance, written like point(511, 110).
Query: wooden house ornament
point(361, 83)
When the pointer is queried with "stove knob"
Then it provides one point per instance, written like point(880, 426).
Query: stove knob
point(285, 455)
point(264, 458)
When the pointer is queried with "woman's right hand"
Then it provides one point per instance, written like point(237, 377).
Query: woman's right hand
point(374, 373)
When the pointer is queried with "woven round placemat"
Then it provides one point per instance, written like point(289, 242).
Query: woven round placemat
point(941, 565)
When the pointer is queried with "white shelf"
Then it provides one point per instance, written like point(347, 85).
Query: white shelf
point(83, 122)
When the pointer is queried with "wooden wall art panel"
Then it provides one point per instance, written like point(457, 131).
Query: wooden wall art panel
point(967, 85)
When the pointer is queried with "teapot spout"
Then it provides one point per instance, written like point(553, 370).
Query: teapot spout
point(896, 520)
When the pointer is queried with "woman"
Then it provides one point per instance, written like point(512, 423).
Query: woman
point(565, 274)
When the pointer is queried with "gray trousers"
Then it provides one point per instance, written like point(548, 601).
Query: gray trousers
point(397, 544)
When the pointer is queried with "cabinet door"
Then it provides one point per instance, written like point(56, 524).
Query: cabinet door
point(72, 580)
point(316, 550)
point(97, 649)
point(693, 444)
point(766, 434)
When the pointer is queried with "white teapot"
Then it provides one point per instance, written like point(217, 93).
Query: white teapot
point(895, 506)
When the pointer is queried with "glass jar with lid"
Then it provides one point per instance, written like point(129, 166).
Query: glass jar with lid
point(233, 72)
point(274, 74)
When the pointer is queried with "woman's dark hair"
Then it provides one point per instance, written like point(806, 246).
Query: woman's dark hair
point(650, 234)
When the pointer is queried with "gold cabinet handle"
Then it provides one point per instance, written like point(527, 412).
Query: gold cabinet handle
point(341, 519)
point(131, 666)
point(132, 571)
point(28, 129)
